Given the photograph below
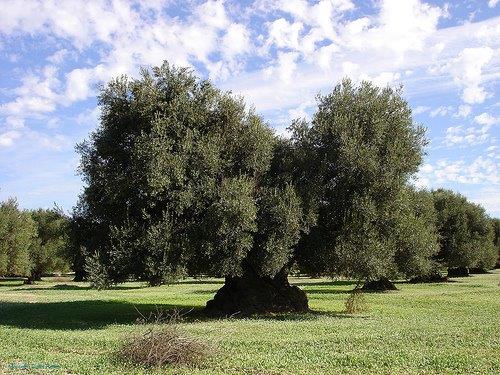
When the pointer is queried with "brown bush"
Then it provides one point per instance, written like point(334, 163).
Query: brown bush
point(162, 346)
point(356, 302)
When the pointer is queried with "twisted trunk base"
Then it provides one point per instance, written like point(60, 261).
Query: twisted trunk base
point(431, 278)
point(478, 270)
point(380, 285)
point(251, 294)
point(458, 272)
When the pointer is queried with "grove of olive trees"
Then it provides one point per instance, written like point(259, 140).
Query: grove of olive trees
point(182, 178)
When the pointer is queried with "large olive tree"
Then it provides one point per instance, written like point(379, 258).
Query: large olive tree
point(179, 180)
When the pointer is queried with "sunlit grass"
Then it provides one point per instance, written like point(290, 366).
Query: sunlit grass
point(64, 327)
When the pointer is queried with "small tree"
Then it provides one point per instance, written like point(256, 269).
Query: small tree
point(48, 251)
point(17, 236)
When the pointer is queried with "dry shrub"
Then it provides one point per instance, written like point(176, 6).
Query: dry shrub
point(356, 302)
point(164, 344)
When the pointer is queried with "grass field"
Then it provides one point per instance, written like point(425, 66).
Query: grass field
point(61, 327)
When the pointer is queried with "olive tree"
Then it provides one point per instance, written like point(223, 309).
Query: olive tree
point(17, 236)
point(466, 234)
point(495, 222)
point(362, 148)
point(179, 180)
point(47, 253)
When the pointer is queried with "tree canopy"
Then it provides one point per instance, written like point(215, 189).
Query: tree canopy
point(48, 252)
point(178, 181)
point(465, 232)
point(362, 147)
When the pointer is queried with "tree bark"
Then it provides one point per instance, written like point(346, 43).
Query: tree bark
point(435, 277)
point(478, 270)
point(458, 272)
point(252, 294)
point(381, 285)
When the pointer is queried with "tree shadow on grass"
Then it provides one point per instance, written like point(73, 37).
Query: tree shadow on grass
point(75, 287)
point(81, 315)
point(98, 314)
point(199, 282)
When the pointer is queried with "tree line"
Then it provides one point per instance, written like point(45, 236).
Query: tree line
point(182, 178)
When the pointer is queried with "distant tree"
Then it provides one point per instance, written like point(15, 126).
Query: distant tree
point(362, 147)
point(83, 233)
point(466, 234)
point(416, 236)
point(496, 238)
point(47, 253)
point(179, 180)
point(17, 236)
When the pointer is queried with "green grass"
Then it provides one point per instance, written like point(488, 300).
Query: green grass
point(62, 327)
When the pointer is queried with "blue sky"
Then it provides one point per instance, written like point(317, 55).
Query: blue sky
point(277, 53)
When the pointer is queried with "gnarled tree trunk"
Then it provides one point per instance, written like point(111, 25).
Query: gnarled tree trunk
point(251, 293)
point(380, 285)
point(458, 272)
point(435, 277)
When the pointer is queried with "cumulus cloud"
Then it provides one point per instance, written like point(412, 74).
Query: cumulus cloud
point(36, 94)
point(470, 136)
point(278, 53)
point(492, 3)
point(7, 138)
point(486, 119)
point(441, 111)
point(481, 170)
point(467, 71)
point(420, 109)
point(464, 110)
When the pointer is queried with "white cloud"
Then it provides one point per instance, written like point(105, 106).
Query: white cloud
point(89, 117)
point(406, 24)
point(464, 110)
point(482, 170)
point(492, 3)
point(58, 56)
point(467, 71)
point(426, 168)
point(384, 78)
point(236, 40)
point(285, 66)
point(8, 138)
point(14, 122)
point(78, 84)
point(36, 94)
point(284, 34)
point(471, 136)
point(420, 109)
point(486, 119)
point(54, 142)
point(441, 111)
